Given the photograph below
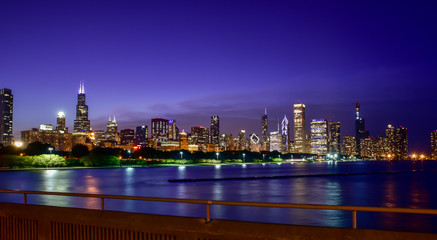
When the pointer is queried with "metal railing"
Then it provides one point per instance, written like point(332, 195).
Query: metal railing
point(208, 203)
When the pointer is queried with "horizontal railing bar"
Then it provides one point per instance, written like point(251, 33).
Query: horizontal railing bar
point(234, 203)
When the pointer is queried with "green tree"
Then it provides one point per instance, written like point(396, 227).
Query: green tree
point(79, 150)
point(101, 157)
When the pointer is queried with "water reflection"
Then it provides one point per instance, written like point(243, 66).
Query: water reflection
point(414, 190)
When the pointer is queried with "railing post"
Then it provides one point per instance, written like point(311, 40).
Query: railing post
point(354, 219)
point(208, 216)
point(25, 198)
point(102, 204)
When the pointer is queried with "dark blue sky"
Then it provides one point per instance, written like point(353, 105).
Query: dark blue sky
point(189, 60)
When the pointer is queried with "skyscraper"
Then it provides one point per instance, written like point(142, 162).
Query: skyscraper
point(360, 131)
point(434, 144)
point(127, 136)
point(173, 131)
point(264, 131)
point(215, 130)
point(6, 113)
point(81, 124)
point(401, 141)
point(141, 135)
point(299, 128)
point(60, 122)
point(111, 130)
point(334, 137)
point(319, 136)
point(241, 140)
point(349, 146)
point(159, 130)
point(285, 133)
point(200, 136)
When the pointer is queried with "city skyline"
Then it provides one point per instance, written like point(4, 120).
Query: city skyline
point(190, 61)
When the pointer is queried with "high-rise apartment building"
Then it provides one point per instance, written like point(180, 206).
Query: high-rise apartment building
point(81, 124)
point(401, 141)
point(6, 116)
point(215, 130)
point(349, 146)
point(390, 144)
point(434, 144)
point(159, 130)
point(142, 135)
point(299, 128)
point(264, 131)
point(369, 147)
point(254, 143)
point(319, 136)
point(360, 131)
point(334, 137)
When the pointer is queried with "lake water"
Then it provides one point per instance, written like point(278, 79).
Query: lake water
point(406, 190)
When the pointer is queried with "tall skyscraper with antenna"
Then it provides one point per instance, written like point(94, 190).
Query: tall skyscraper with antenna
point(6, 110)
point(264, 132)
point(81, 124)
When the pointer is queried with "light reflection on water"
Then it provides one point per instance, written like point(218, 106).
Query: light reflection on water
point(413, 190)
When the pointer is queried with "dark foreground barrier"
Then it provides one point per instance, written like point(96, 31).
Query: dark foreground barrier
point(26, 221)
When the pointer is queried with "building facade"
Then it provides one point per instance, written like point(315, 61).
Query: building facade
point(141, 136)
point(319, 136)
point(6, 116)
point(159, 130)
point(264, 131)
point(434, 144)
point(334, 138)
point(285, 134)
point(215, 130)
point(299, 128)
point(349, 146)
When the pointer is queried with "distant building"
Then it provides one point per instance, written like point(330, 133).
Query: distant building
point(241, 140)
point(6, 116)
point(299, 128)
point(200, 137)
point(160, 130)
point(60, 122)
point(334, 137)
point(59, 139)
point(285, 133)
point(360, 131)
point(215, 130)
point(349, 146)
point(183, 139)
point(173, 131)
point(401, 141)
point(225, 142)
point(369, 147)
point(127, 136)
point(111, 130)
point(319, 136)
point(275, 140)
point(255, 145)
point(141, 135)
point(81, 124)
point(434, 144)
point(264, 131)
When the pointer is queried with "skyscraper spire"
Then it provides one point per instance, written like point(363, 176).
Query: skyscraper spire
point(82, 87)
point(265, 110)
point(114, 119)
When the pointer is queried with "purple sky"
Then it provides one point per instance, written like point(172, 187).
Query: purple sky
point(188, 60)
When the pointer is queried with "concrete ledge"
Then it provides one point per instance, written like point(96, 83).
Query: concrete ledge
point(18, 221)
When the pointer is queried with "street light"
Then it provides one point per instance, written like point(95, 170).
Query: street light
point(217, 154)
point(50, 149)
point(181, 153)
point(244, 157)
point(263, 157)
